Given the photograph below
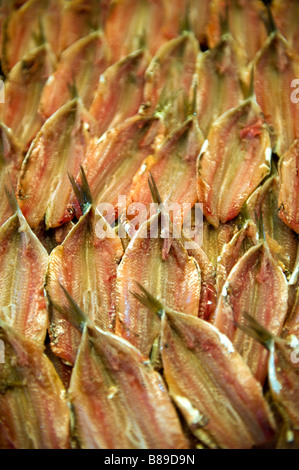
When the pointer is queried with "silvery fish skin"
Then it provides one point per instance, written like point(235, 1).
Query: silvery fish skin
point(163, 266)
point(80, 67)
point(118, 401)
point(233, 161)
point(257, 286)
point(11, 158)
point(263, 208)
point(86, 265)
point(169, 78)
point(173, 167)
point(288, 187)
point(33, 405)
point(217, 394)
point(23, 264)
point(23, 89)
point(35, 22)
point(217, 82)
point(58, 149)
point(119, 92)
point(276, 65)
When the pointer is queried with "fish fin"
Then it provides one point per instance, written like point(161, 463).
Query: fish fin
point(269, 21)
point(11, 197)
point(148, 300)
point(39, 36)
point(73, 312)
point(154, 190)
point(82, 191)
point(73, 90)
point(257, 331)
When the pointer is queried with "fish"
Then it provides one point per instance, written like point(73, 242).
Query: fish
point(58, 149)
point(257, 286)
point(23, 264)
point(232, 251)
point(173, 167)
point(285, 14)
point(157, 258)
point(243, 19)
point(169, 77)
point(130, 25)
point(215, 391)
point(79, 18)
point(283, 372)
point(119, 93)
point(23, 89)
point(85, 264)
point(79, 67)
point(233, 161)
point(276, 65)
point(33, 402)
point(214, 239)
point(288, 184)
point(198, 14)
point(208, 290)
point(11, 157)
point(35, 23)
point(263, 208)
point(110, 165)
point(217, 82)
point(117, 399)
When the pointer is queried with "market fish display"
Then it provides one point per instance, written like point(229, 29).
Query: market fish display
point(11, 158)
point(283, 372)
point(264, 209)
point(217, 82)
point(234, 159)
point(258, 287)
point(243, 19)
point(173, 167)
point(35, 22)
point(23, 264)
point(110, 165)
point(155, 143)
point(288, 188)
point(218, 396)
point(23, 89)
point(79, 69)
point(62, 143)
point(165, 268)
point(169, 77)
point(119, 93)
point(85, 264)
point(116, 410)
point(276, 65)
point(33, 403)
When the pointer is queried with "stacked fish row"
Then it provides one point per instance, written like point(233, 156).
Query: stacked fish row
point(141, 341)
